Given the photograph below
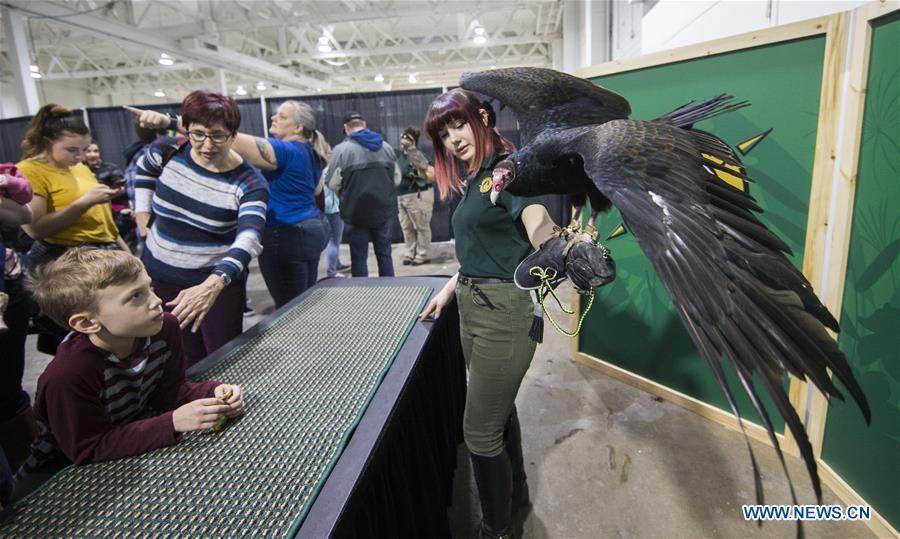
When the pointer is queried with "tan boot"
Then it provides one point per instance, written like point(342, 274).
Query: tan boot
point(4, 302)
point(16, 435)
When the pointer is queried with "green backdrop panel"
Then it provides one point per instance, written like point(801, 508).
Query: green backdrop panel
point(868, 458)
point(634, 324)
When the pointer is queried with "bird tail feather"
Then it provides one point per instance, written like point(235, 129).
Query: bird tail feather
point(688, 114)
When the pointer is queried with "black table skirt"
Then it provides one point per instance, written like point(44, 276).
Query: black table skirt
point(395, 477)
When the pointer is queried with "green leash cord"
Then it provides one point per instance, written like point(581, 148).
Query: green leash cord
point(546, 276)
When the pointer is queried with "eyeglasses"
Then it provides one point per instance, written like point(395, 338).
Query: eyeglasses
point(199, 137)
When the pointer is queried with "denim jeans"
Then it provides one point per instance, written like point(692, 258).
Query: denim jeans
point(359, 249)
point(333, 251)
point(290, 258)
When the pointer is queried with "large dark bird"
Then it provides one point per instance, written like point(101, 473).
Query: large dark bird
point(736, 293)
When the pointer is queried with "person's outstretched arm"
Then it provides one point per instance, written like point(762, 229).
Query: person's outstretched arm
point(257, 150)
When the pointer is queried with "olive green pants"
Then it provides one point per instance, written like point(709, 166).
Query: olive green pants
point(497, 351)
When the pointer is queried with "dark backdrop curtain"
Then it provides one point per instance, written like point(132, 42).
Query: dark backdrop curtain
point(12, 131)
point(251, 117)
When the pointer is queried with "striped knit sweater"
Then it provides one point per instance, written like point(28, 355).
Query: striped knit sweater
point(91, 406)
point(203, 220)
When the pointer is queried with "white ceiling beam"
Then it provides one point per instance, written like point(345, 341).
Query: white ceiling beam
point(117, 72)
point(337, 15)
point(192, 49)
point(426, 47)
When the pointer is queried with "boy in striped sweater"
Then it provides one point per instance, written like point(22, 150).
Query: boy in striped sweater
point(116, 387)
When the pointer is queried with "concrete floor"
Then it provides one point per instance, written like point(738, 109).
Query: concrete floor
point(605, 459)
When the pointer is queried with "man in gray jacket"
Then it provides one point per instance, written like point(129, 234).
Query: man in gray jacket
point(363, 172)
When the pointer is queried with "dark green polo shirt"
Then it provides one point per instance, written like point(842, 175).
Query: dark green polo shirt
point(490, 240)
point(409, 177)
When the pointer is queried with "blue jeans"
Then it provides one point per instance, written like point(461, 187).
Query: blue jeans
point(290, 258)
point(359, 249)
point(333, 251)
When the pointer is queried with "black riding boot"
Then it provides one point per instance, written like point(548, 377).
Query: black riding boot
point(494, 479)
point(521, 503)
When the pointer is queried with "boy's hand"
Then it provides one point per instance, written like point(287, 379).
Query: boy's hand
point(235, 402)
point(198, 415)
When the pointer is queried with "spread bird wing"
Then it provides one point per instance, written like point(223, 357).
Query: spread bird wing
point(683, 194)
point(544, 98)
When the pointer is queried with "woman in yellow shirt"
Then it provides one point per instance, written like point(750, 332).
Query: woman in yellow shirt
point(69, 207)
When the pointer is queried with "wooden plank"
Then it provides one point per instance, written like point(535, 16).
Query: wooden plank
point(828, 233)
point(878, 524)
point(810, 27)
point(831, 279)
point(821, 199)
point(876, 9)
point(687, 402)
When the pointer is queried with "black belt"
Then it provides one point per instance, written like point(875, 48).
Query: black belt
point(473, 282)
point(469, 281)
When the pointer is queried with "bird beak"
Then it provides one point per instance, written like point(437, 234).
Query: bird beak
point(495, 193)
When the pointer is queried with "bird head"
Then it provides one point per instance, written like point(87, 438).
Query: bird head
point(504, 174)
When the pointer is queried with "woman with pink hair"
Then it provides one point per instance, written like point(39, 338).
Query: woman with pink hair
point(495, 316)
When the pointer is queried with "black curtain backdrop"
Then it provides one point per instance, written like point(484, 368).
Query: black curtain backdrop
point(12, 131)
point(388, 113)
point(251, 117)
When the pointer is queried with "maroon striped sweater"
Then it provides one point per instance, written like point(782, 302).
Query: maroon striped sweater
point(91, 406)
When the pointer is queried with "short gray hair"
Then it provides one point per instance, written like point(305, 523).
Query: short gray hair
point(303, 116)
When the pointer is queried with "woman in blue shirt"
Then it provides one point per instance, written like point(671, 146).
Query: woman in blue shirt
point(296, 233)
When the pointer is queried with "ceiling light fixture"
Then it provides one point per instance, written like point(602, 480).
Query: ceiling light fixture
point(166, 60)
point(324, 45)
point(159, 93)
point(379, 78)
point(240, 90)
point(260, 86)
point(480, 36)
point(35, 72)
point(412, 78)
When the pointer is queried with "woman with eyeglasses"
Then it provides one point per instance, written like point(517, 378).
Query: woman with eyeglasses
point(209, 210)
point(291, 159)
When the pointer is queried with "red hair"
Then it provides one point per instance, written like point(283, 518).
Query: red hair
point(460, 105)
point(209, 109)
